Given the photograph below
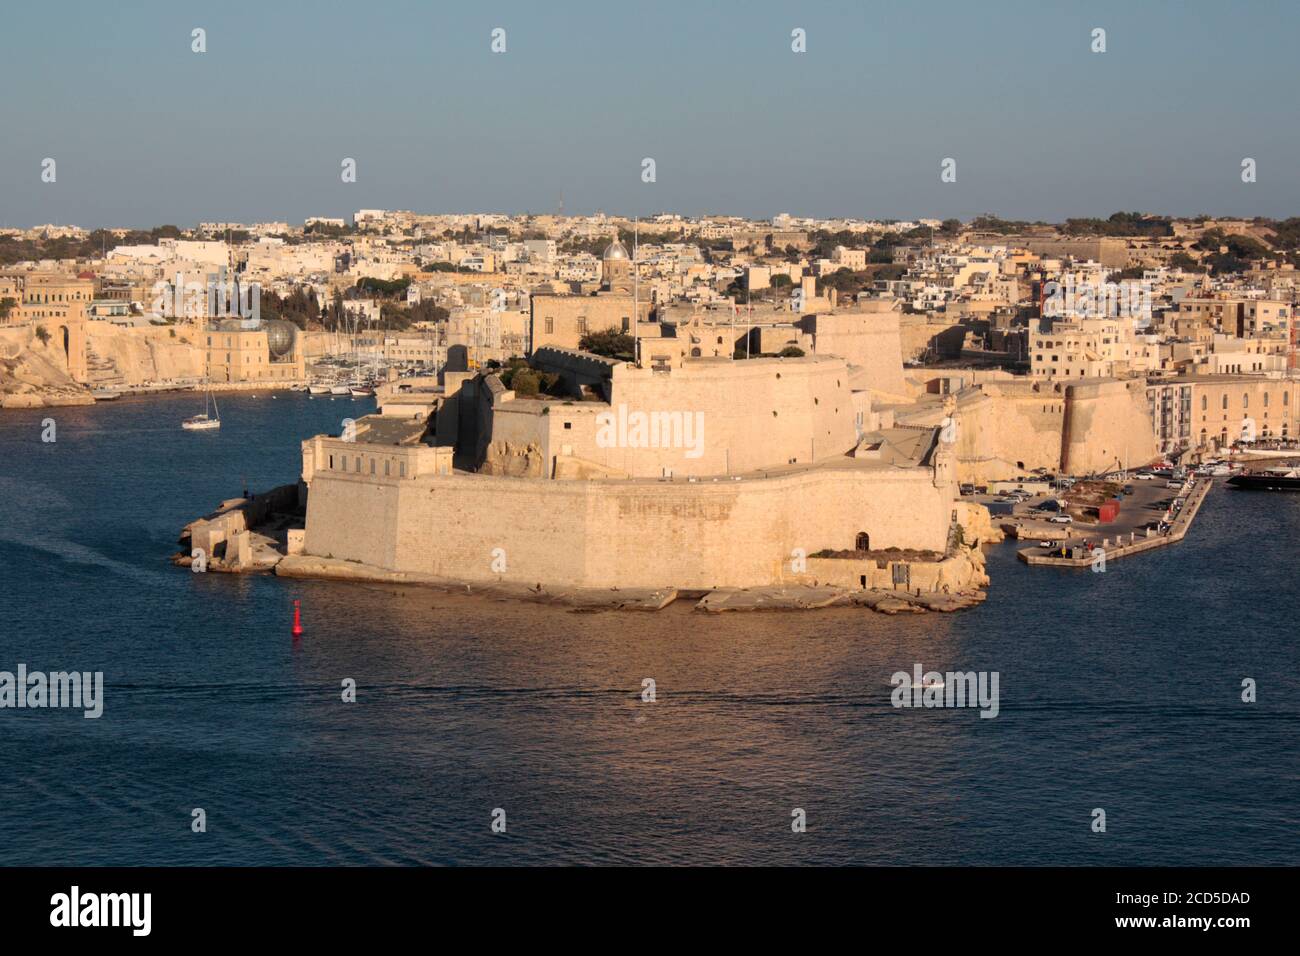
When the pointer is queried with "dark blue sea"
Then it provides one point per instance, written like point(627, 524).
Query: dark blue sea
point(1119, 691)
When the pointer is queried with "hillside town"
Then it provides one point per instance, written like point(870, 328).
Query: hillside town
point(1195, 317)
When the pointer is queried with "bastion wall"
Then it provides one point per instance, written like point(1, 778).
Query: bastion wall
point(604, 533)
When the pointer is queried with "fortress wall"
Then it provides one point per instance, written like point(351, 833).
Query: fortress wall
point(146, 354)
point(738, 416)
point(997, 428)
point(520, 423)
point(1107, 426)
point(870, 340)
point(353, 517)
point(622, 533)
point(759, 413)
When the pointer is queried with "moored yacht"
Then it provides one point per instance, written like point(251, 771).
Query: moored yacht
point(204, 421)
point(1268, 479)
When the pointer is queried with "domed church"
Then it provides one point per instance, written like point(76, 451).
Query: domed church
point(616, 268)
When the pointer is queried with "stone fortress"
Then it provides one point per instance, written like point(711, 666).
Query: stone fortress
point(706, 475)
point(698, 471)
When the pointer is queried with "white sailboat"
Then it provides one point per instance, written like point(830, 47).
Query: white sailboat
point(204, 421)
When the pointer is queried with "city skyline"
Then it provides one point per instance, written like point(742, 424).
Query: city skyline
point(1041, 127)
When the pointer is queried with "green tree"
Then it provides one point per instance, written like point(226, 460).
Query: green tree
point(610, 343)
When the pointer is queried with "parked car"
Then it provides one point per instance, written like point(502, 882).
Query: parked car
point(1143, 476)
point(968, 489)
point(1061, 519)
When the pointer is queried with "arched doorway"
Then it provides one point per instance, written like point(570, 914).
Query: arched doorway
point(862, 542)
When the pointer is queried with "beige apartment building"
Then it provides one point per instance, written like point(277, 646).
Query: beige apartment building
point(1213, 411)
point(1238, 315)
point(1082, 348)
point(845, 258)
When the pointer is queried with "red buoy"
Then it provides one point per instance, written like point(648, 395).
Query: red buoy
point(297, 619)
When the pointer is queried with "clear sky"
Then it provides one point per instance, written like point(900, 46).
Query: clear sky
point(146, 132)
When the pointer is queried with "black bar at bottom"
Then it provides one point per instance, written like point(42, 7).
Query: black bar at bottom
point(334, 905)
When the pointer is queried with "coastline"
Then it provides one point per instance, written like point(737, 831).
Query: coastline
point(51, 399)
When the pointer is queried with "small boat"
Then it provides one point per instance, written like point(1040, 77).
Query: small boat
point(319, 388)
point(203, 421)
point(196, 423)
point(105, 395)
point(340, 390)
point(361, 391)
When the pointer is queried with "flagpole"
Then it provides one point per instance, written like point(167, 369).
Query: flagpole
point(636, 292)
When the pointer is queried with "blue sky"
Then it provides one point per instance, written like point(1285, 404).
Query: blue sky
point(145, 132)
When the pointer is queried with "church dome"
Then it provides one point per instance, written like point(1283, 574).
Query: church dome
point(615, 250)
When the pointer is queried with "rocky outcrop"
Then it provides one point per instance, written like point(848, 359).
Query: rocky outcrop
point(977, 524)
point(32, 376)
point(514, 461)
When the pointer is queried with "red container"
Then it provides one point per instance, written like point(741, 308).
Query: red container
point(1107, 511)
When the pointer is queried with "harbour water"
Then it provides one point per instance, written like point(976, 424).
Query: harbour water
point(1119, 691)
